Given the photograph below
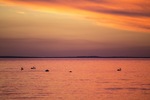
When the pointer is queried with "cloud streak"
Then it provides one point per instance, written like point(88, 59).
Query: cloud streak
point(123, 14)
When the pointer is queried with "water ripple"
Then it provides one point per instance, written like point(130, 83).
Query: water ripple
point(126, 88)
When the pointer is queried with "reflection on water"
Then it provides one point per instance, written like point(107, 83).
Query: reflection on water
point(89, 79)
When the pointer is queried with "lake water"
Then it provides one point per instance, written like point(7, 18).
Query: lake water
point(90, 79)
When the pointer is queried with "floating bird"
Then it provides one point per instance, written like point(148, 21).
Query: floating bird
point(21, 68)
point(46, 70)
point(119, 69)
point(33, 67)
point(70, 71)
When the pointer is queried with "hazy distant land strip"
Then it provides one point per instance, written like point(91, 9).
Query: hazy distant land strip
point(72, 57)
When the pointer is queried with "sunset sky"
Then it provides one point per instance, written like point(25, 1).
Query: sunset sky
point(75, 28)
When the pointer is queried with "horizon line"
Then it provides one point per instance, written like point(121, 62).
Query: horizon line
point(74, 57)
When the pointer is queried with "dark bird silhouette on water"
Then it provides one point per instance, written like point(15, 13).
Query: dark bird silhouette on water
point(46, 70)
point(33, 67)
point(21, 68)
point(119, 69)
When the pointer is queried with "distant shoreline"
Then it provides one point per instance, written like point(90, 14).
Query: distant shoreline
point(72, 57)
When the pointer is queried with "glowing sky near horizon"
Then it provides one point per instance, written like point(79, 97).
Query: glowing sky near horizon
point(74, 28)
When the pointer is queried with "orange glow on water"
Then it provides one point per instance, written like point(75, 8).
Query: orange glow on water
point(90, 79)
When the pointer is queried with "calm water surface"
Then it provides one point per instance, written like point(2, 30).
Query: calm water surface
point(90, 79)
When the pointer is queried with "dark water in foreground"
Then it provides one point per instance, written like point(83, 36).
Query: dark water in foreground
point(90, 79)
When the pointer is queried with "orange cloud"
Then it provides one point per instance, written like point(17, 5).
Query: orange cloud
point(124, 14)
